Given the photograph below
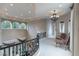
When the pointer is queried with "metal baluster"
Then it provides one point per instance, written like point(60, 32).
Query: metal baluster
point(24, 48)
point(16, 49)
point(27, 49)
point(4, 54)
point(20, 49)
point(9, 51)
point(13, 51)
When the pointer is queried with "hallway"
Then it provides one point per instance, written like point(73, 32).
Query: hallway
point(48, 48)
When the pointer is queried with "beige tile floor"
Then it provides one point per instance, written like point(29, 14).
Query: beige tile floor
point(48, 48)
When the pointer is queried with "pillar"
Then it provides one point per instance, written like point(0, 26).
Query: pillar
point(76, 29)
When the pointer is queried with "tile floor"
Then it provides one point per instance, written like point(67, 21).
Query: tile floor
point(48, 48)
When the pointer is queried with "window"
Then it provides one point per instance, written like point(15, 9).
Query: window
point(62, 27)
point(22, 26)
point(51, 29)
point(6, 25)
point(12, 25)
point(16, 25)
point(54, 29)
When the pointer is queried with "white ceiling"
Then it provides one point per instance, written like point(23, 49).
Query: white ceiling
point(31, 10)
point(47, 8)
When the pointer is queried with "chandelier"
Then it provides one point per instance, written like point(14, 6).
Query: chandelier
point(54, 16)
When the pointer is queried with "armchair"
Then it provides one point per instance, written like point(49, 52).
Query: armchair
point(62, 39)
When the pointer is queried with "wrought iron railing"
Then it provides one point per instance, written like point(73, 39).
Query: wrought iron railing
point(24, 48)
point(41, 35)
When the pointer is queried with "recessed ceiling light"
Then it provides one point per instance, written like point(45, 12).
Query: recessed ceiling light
point(5, 9)
point(60, 5)
point(21, 14)
point(29, 12)
point(6, 13)
point(11, 4)
point(15, 16)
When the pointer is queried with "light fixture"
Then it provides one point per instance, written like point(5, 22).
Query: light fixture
point(6, 13)
point(21, 14)
point(16, 16)
point(11, 5)
point(60, 5)
point(29, 12)
point(6, 9)
point(54, 16)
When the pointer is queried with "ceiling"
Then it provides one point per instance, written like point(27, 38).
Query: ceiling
point(33, 10)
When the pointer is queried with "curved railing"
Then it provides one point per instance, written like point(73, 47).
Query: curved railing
point(23, 48)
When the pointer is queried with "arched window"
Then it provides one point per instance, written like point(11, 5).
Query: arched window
point(22, 26)
point(6, 25)
point(16, 25)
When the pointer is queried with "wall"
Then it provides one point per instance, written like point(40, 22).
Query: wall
point(66, 19)
point(40, 25)
point(35, 27)
point(13, 34)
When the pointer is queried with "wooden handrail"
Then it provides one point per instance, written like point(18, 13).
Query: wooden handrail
point(23, 47)
point(10, 45)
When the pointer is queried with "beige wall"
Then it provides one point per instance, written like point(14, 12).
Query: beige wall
point(64, 18)
point(40, 25)
point(13, 34)
point(35, 27)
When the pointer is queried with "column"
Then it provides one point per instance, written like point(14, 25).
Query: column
point(76, 29)
point(72, 32)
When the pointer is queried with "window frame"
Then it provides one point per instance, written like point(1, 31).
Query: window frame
point(62, 27)
point(12, 25)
